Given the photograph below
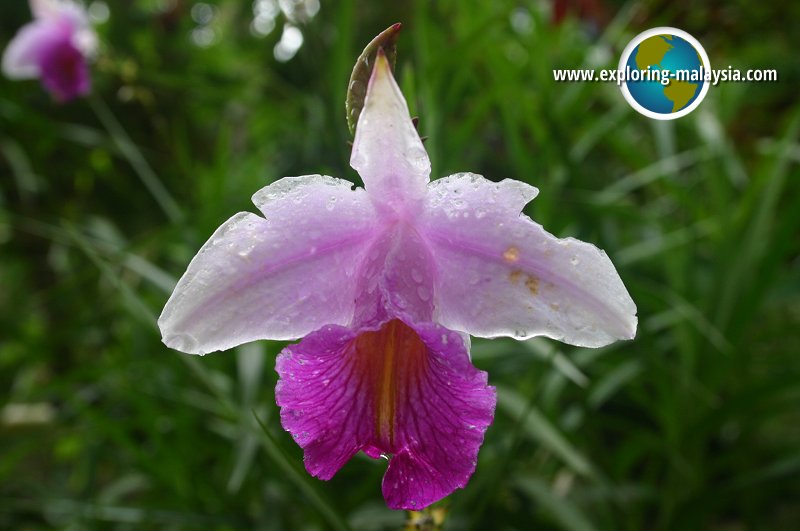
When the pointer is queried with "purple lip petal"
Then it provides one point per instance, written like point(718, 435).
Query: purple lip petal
point(64, 72)
point(410, 394)
point(280, 277)
point(515, 278)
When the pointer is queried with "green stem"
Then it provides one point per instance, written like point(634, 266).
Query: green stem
point(299, 479)
point(134, 156)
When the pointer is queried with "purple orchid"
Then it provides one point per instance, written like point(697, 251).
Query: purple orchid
point(55, 47)
point(385, 284)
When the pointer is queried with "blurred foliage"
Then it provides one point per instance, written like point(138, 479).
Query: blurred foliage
point(694, 425)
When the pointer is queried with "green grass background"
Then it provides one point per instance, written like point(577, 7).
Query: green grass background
point(103, 202)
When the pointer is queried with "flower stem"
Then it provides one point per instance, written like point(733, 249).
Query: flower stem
point(134, 156)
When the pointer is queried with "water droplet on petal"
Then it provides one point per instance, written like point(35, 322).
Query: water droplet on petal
point(424, 293)
point(417, 157)
point(358, 88)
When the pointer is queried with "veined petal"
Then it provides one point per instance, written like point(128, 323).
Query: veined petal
point(396, 278)
point(64, 72)
point(275, 278)
point(501, 274)
point(387, 151)
point(409, 394)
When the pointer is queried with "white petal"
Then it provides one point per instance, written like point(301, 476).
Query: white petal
point(501, 274)
point(45, 8)
point(275, 278)
point(21, 56)
point(387, 150)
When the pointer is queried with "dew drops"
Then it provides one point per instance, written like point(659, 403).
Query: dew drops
point(416, 275)
point(423, 293)
point(418, 158)
point(574, 261)
point(358, 89)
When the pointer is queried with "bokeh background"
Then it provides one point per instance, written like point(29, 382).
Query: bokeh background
point(103, 202)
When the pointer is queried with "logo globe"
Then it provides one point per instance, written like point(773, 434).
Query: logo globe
point(664, 73)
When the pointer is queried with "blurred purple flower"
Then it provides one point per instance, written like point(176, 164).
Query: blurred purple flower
point(55, 47)
point(385, 284)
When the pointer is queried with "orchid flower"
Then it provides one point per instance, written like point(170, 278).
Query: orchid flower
point(55, 47)
point(385, 284)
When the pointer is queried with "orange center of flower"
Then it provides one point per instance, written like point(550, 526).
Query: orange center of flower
point(391, 360)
